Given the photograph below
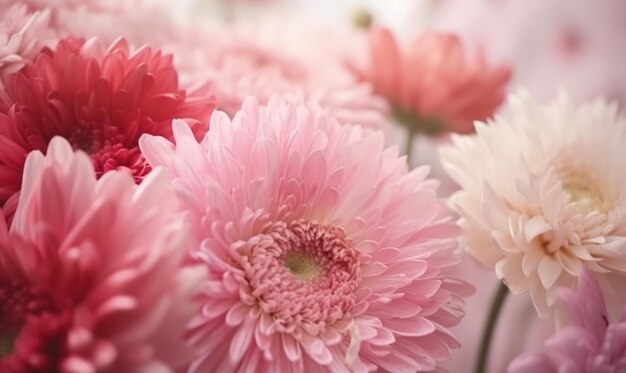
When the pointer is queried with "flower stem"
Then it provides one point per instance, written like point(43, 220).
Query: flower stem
point(490, 326)
point(408, 150)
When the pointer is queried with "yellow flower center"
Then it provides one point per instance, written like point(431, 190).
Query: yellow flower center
point(584, 194)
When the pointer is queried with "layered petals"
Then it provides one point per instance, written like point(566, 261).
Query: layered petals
point(101, 100)
point(92, 274)
point(22, 36)
point(324, 253)
point(542, 197)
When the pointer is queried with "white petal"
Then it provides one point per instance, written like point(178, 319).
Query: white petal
point(549, 270)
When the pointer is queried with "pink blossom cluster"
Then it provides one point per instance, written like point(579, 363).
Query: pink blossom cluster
point(178, 196)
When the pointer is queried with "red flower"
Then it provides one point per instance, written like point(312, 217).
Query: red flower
point(100, 101)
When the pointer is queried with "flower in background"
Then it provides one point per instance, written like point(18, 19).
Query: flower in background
point(433, 86)
point(22, 36)
point(542, 197)
point(91, 274)
point(239, 62)
point(100, 100)
point(589, 344)
point(139, 22)
point(323, 252)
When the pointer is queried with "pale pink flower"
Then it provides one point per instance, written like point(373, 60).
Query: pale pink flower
point(22, 36)
point(284, 59)
point(138, 21)
point(91, 271)
point(324, 254)
point(590, 344)
point(433, 85)
point(542, 197)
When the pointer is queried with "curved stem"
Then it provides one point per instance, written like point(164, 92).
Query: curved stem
point(490, 326)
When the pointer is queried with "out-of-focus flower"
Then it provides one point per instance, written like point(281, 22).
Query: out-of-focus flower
point(100, 100)
point(433, 86)
point(542, 197)
point(22, 36)
point(97, 5)
point(139, 22)
point(323, 252)
point(91, 274)
point(572, 44)
point(590, 344)
point(238, 63)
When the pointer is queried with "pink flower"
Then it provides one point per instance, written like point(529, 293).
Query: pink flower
point(542, 197)
point(324, 254)
point(590, 344)
point(22, 36)
point(238, 63)
point(91, 275)
point(433, 86)
point(100, 100)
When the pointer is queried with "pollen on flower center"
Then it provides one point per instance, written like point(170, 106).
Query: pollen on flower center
point(301, 266)
point(584, 194)
point(302, 273)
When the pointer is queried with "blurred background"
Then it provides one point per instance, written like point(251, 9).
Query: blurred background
point(575, 45)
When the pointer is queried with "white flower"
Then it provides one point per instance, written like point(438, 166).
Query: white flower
point(543, 195)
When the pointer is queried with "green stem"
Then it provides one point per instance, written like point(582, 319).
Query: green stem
point(408, 150)
point(490, 326)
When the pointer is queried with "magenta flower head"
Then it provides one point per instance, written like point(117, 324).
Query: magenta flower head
point(590, 344)
point(324, 253)
point(92, 274)
point(100, 99)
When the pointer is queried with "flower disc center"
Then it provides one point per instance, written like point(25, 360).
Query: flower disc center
point(301, 273)
point(586, 196)
point(301, 266)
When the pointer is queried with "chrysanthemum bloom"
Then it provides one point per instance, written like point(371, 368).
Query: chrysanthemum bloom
point(22, 36)
point(588, 345)
point(324, 254)
point(433, 85)
point(542, 197)
point(238, 63)
point(91, 271)
point(100, 100)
